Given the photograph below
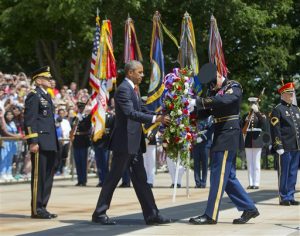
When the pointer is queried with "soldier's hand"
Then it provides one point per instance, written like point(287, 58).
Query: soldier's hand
point(280, 151)
point(34, 148)
point(254, 107)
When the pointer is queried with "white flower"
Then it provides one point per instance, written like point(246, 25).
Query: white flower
point(179, 112)
point(172, 130)
point(186, 91)
point(181, 126)
point(186, 84)
point(172, 113)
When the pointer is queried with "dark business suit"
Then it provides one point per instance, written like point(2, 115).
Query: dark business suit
point(128, 143)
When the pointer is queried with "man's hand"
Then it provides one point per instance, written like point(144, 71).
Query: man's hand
point(34, 147)
point(280, 151)
point(164, 119)
point(254, 107)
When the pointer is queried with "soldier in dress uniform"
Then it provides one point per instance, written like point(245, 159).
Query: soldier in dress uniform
point(256, 123)
point(285, 130)
point(81, 142)
point(101, 148)
point(223, 103)
point(201, 149)
point(42, 140)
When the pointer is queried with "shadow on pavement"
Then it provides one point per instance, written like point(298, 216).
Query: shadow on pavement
point(134, 222)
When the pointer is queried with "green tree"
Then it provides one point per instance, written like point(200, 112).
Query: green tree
point(260, 38)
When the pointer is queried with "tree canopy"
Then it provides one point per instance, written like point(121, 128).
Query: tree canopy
point(260, 38)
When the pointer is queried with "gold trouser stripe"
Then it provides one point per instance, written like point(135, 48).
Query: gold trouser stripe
point(35, 181)
point(216, 207)
point(279, 176)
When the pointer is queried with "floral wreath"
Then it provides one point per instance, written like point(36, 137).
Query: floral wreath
point(178, 136)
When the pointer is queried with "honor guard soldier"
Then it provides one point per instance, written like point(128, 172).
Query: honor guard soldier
point(81, 142)
point(223, 103)
point(42, 140)
point(285, 130)
point(254, 123)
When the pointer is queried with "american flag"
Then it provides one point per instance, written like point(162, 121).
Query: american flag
point(99, 96)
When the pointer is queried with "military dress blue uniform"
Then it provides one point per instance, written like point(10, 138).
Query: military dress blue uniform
point(285, 130)
point(81, 144)
point(101, 149)
point(224, 106)
point(254, 143)
point(200, 150)
point(40, 129)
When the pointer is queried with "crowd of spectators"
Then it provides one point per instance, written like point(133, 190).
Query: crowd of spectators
point(14, 155)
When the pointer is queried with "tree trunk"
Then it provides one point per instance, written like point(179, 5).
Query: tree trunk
point(53, 65)
point(86, 72)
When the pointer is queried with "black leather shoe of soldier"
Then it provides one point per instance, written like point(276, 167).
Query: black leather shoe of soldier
point(202, 220)
point(51, 214)
point(285, 203)
point(246, 216)
point(41, 214)
point(157, 220)
point(124, 185)
point(294, 203)
point(103, 220)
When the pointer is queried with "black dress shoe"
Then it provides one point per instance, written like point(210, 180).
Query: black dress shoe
point(41, 214)
point(103, 220)
point(255, 187)
point(202, 220)
point(150, 185)
point(99, 185)
point(294, 203)
point(250, 187)
point(178, 186)
point(285, 203)
point(246, 216)
point(124, 185)
point(52, 215)
point(157, 220)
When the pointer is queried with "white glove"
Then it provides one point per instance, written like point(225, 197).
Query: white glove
point(79, 116)
point(199, 140)
point(192, 104)
point(280, 151)
point(254, 107)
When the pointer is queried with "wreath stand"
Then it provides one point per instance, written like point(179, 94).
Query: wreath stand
point(176, 178)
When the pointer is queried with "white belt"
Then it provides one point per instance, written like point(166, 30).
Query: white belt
point(254, 129)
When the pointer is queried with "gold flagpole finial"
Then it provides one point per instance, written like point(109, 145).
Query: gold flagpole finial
point(282, 82)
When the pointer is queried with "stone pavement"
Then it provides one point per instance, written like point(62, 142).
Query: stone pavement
point(75, 205)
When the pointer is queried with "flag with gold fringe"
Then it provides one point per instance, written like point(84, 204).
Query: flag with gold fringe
point(107, 63)
point(156, 86)
point(99, 95)
point(132, 49)
point(215, 51)
point(187, 56)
